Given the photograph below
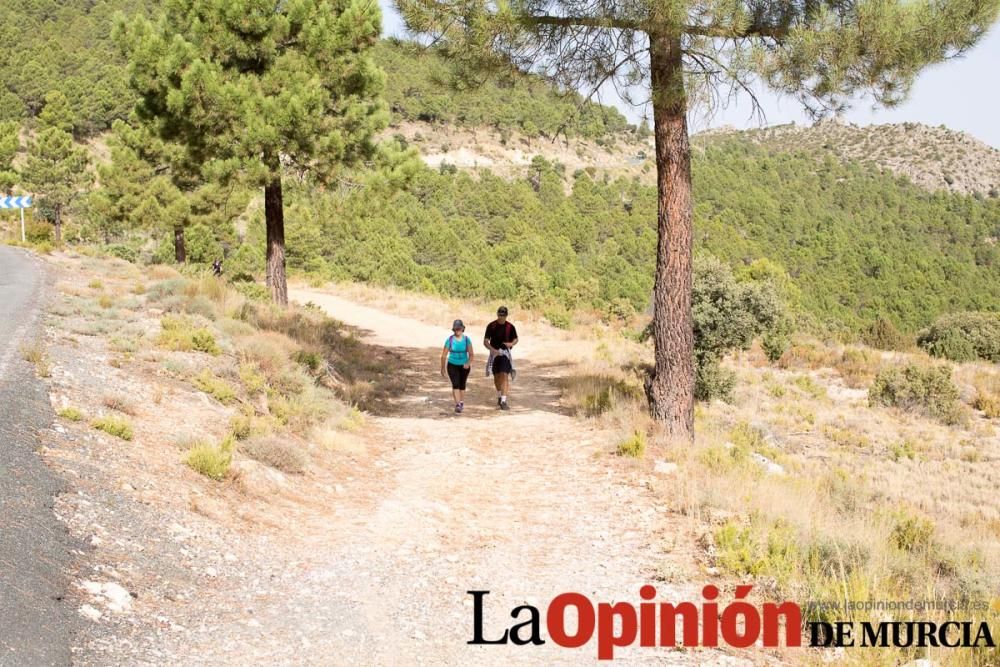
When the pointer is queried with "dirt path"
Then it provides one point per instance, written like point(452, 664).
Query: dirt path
point(524, 504)
point(367, 558)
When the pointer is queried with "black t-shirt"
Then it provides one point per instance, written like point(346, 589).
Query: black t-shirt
point(500, 333)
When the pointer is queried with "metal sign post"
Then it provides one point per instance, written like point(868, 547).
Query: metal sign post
point(19, 203)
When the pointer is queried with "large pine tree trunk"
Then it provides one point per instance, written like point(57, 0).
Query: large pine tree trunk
point(58, 212)
point(180, 253)
point(274, 216)
point(671, 390)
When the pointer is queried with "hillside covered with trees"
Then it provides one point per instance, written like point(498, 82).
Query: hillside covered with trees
point(856, 244)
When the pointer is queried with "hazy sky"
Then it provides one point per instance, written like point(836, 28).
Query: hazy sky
point(962, 94)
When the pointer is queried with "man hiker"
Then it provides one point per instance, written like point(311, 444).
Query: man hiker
point(501, 337)
point(456, 362)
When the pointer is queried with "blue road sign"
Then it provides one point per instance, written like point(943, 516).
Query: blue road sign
point(15, 202)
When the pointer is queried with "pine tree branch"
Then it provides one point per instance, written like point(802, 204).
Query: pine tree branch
point(716, 31)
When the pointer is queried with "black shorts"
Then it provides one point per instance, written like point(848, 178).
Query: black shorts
point(501, 364)
point(458, 375)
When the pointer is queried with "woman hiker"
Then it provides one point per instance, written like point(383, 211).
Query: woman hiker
point(456, 361)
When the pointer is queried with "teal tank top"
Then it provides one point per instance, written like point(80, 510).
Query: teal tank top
point(458, 350)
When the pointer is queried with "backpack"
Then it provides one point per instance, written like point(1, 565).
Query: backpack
point(451, 340)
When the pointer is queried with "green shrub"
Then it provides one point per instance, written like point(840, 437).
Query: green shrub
point(634, 446)
point(736, 551)
point(203, 340)
point(963, 337)
point(200, 305)
point(116, 426)
point(71, 413)
point(728, 315)
point(912, 533)
point(214, 386)
point(165, 288)
point(807, 384)
point(313, 361)
point(178, 333)
point(927, 391)
point(774, 345)
point(212, 461)
point(559, 317)
point(123, 252)
point(252, 378)
point(253, 291)
point(882, 334)
point(902, 450)
point(712, 381)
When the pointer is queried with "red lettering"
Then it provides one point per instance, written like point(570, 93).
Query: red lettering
point(607, 640)
point(555, 620)
point(751, 621)
point(647, 617)
point(793, 623)
point(710, 617)
point(668, 623)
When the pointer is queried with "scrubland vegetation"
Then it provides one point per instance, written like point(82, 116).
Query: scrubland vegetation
point(835, 473)
point(288, 379)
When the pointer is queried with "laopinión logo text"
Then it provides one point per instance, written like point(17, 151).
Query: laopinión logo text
point(738, 624)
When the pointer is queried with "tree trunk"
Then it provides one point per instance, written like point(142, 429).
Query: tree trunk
point(58, 212)
point(671, 388)
point(274, 215)
point(180, 254)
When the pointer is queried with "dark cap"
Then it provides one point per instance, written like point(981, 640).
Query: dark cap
point(502, 310)
point(457, 324)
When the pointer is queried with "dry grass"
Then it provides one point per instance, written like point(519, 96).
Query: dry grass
point(858, 366)
point(872, 502)
point(120, 404)
point(279, 453)
point(162, 272)
point(35, 354)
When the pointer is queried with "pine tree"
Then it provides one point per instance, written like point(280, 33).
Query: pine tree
point(56, 171)
point(824, 53)
point(56, 113)
point(136, 191)
point(9, 144)
point(247, 86)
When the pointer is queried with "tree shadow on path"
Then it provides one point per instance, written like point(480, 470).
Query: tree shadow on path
point(412, 386)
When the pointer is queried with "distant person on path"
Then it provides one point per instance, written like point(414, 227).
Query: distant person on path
point(501, 337)
point(456, 362)
point(217, 267)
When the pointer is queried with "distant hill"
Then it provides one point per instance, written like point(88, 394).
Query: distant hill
point(935, 158)
point(422, 86)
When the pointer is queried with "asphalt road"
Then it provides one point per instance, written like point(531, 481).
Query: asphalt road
point(36, 624)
